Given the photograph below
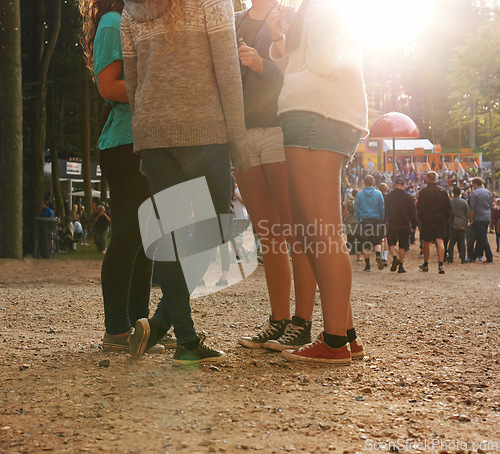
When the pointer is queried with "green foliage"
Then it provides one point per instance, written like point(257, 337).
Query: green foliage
point(475, 82)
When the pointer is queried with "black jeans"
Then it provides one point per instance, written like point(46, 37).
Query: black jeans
point(168, 167)
point(126, 271)
point(457, 236)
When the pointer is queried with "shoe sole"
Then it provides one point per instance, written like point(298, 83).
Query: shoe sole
point(380, 263)
point(139, 339)
point(115, 348)
point(201, 362)
point(169, 344)
point(441, 271)
point(358, 355)
point(320, 361)
point(250, 344)
point(276, 346)
point(156, 349)
point(424, 270)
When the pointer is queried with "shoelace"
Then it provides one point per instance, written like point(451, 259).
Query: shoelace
point(269, 331)
point(291, 333)
point(307, 347)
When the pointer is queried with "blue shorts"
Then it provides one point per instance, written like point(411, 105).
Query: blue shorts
point(313, 131)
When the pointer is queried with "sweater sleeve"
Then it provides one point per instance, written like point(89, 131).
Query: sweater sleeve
point(280, 61)
point(221, 34)
point(129, 59)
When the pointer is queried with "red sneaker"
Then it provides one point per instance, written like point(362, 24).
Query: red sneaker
point(320, 353)
point(357, 349)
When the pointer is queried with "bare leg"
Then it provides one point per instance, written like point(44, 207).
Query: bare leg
point(304, 280)
point(265, 218)
point(425, 250)
point(440, 249)
point(314, 184)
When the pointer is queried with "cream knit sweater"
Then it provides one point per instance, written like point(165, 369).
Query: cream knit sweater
point(190, 95)
point(324, 74)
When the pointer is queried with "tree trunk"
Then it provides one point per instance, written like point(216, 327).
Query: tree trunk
point(11, 133)
point(60, 210)
point(104, 188)
point(87, 185)
point(57, 121)
point(43, 48)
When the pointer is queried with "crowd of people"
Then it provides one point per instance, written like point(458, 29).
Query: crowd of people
point(273, 100)
point(461, 215)
point(74, 228)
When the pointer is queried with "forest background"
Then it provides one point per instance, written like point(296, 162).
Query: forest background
point(447, 81)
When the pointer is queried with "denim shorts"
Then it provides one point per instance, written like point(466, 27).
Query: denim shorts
point(313, 131)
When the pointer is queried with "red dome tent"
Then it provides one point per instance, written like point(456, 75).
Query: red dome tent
point(394, 125)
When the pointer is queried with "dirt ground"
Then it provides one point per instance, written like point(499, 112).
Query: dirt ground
point(429, 382)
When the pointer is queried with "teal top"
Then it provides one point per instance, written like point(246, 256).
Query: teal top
point(107, 49)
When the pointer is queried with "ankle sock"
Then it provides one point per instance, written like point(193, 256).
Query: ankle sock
point(425, 264)
point(334, 341)
point(377, 254)
point(298, 321)
point(351, 335)
point(385, 255)
point(440, 264)
point(367, 261)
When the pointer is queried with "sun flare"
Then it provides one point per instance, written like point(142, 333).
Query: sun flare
point(384, 23)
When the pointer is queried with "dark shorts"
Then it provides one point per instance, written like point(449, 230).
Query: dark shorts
point(372, 232)
point(313, 131)
point(399, 235)
point(429, 232)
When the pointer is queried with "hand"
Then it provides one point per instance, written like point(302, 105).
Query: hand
point(277, 23)
point(251, 58)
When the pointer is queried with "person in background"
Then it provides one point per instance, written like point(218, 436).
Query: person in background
point(496, 222)
point(370, 212)
point(126, 271)
point(481, 202)
point(458, 224)
point(46, 211)
point(402, 219)
point(434, 210)
point(84, 220)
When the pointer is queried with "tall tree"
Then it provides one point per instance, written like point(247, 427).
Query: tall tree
point(46, 22)
point(475, 78)
point(86, 170)
point(11, 121)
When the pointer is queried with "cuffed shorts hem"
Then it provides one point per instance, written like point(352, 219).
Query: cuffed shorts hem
point(265, 146)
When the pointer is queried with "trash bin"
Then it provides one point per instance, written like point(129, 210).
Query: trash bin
point(45, 236)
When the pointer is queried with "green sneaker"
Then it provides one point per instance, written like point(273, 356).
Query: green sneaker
point(201, 356)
